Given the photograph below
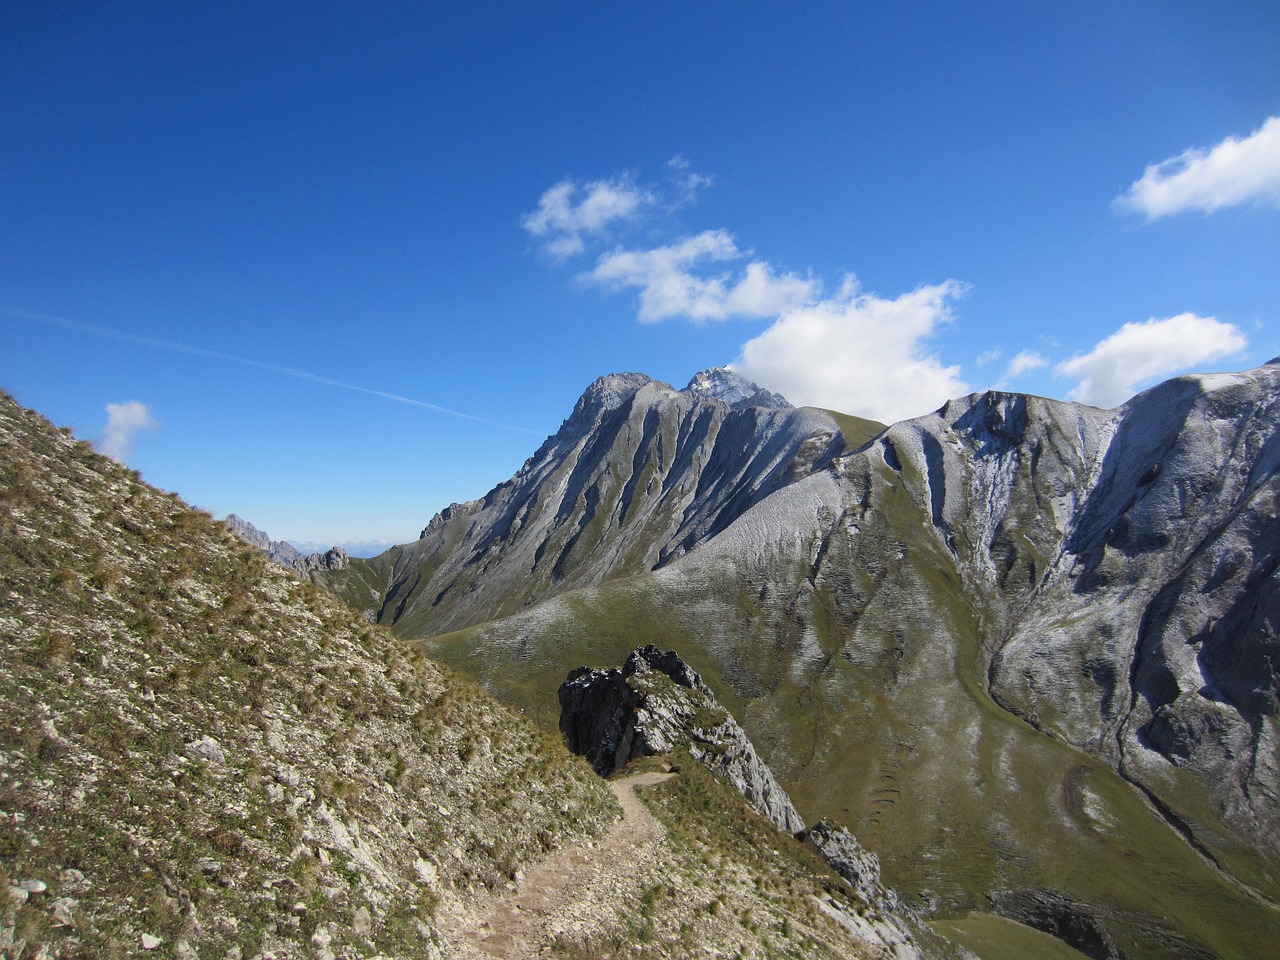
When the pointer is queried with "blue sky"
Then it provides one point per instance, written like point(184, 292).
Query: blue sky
point(332, 266)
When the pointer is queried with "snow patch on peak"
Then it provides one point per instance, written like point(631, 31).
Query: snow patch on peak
point(723, 384)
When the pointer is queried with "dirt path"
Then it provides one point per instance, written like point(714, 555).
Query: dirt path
point(572, 887)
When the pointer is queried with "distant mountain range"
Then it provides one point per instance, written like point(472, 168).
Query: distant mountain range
point(1026, 648)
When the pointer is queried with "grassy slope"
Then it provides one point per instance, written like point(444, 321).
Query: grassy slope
point(199, 748)
point(995, 938)
point(864, 691)
point(728, 881)
point(857, 430)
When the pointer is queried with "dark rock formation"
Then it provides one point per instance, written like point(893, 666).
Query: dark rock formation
point(1074, 923)
point(657, 704)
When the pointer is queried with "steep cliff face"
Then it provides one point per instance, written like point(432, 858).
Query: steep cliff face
point(635, 477)
point(1005, 638)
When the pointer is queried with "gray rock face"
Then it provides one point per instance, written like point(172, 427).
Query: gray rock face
point(285, 553)
point(657, 704)
point(637, 476)
point(720, 383)
point(842, 851)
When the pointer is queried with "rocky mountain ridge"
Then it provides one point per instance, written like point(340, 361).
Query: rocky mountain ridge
point(636, 476)
point(655, 704)
point(1080, 603)
point(285, 553)
point(723, 384)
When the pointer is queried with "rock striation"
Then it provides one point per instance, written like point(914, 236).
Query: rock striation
point(635, 477)
point(657, 704)
point(847, 857)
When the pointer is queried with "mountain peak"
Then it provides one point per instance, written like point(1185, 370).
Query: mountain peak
point(721, 383)
point(609, 392)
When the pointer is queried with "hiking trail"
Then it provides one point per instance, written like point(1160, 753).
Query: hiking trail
point(568, 891)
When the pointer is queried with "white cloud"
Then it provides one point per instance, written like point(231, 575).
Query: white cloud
point(1139, 354)
point(859, 353)
point(1024, 362)
point(1233, 172)
point(989, 356)
point(670, 286)
point(687, 181)
point(124, 420)
point(560, 222)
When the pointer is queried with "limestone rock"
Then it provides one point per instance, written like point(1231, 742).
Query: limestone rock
point(206, 748)
point(657, 704)
point(841, 850)
point(64, 911)
point(635, 477)
point(720, 383)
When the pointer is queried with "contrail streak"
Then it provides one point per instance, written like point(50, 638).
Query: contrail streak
point(174, 347)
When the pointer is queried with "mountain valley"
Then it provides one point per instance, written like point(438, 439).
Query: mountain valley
point(1024, 648)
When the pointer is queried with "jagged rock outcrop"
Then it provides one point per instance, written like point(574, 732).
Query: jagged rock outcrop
point(285, 553)
point(636, 476)
point(657, 704)
point(847, 857)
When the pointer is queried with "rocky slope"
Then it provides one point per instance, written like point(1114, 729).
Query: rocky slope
point(635, 477)
point(1024, 647)
point(203, 756)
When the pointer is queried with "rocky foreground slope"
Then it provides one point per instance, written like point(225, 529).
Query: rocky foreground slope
point(1025, 648)
point(655, 705)
point(202, 756)
point(635, 477)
